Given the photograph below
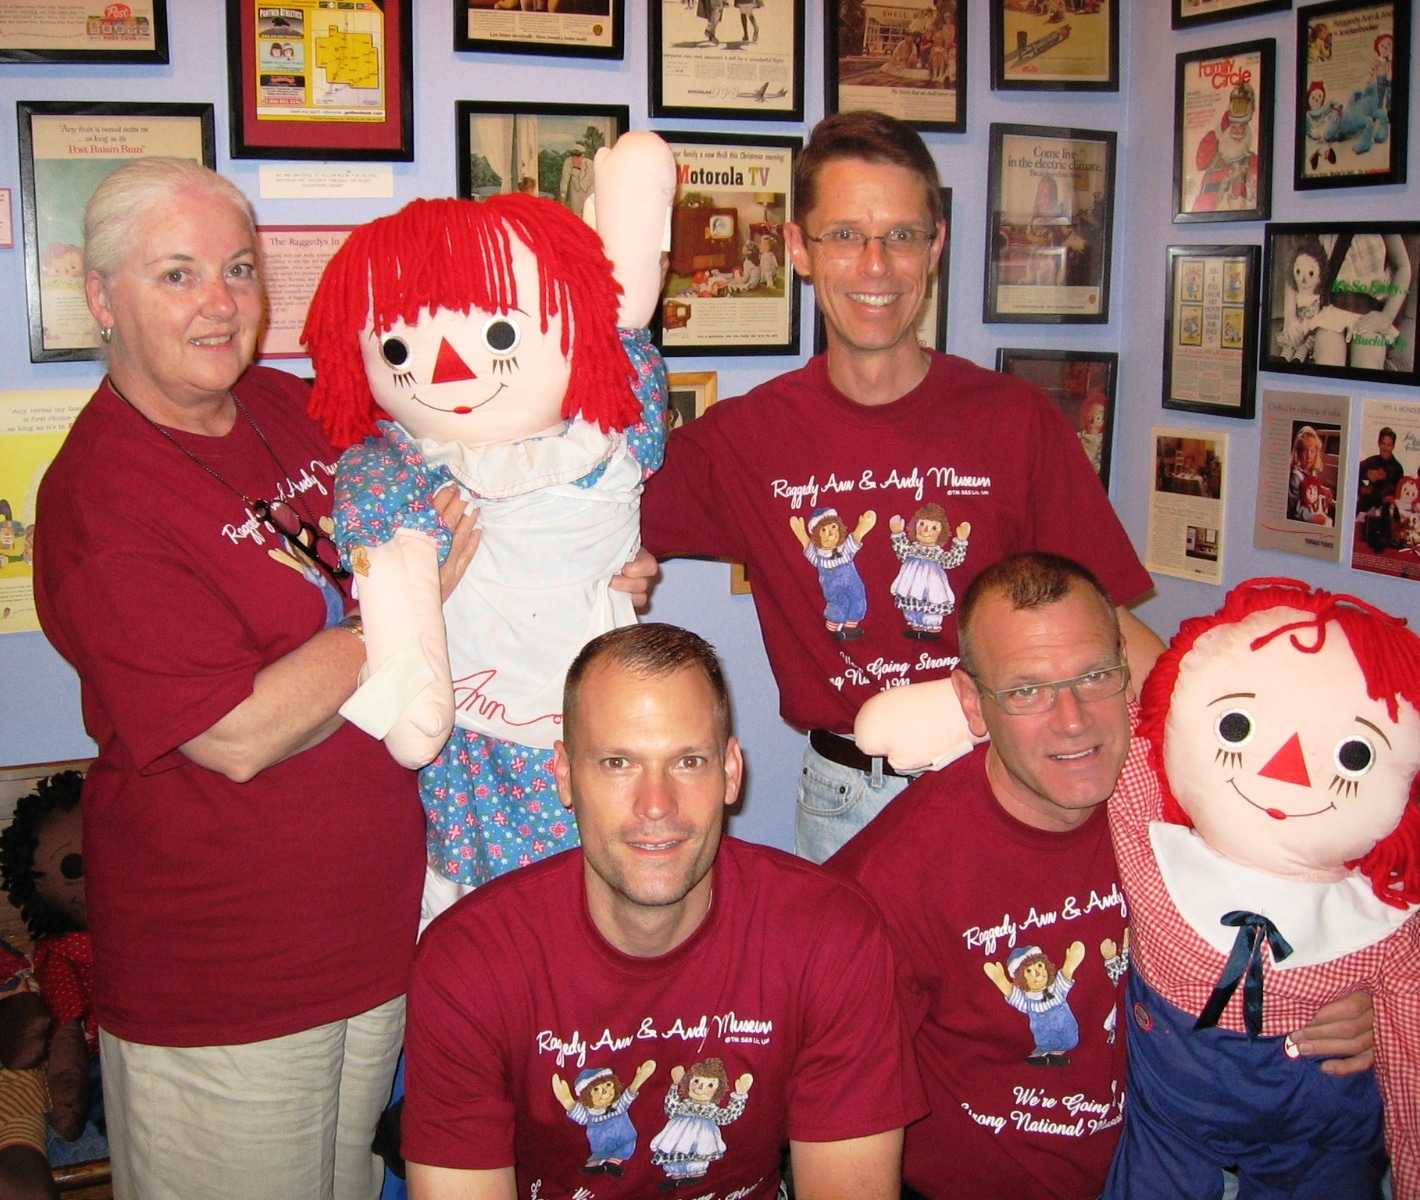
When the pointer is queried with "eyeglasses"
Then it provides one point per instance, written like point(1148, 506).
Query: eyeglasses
point(849, 243)
point(1035, 698)
point(312, 546)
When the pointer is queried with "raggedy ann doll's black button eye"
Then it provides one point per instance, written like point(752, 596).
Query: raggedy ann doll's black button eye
point(1354, 757)
point(1234, 728)
point(502, 335)
point(395, 351)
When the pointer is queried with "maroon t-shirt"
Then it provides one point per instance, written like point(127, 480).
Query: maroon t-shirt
point(787, 981)
point(991, 450)
point(220, 912)
point(961, 884)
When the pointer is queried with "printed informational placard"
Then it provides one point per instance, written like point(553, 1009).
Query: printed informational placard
point(730, 288)
point(33, 426)
point(1387, 534)
point(1187, 504)
point(293, 257)
point(1301, 474)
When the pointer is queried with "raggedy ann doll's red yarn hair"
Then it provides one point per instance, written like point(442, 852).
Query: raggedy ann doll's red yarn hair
point(457, 254)
point(1388, 654)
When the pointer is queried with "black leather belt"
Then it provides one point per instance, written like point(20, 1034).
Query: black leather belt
point(845, 753)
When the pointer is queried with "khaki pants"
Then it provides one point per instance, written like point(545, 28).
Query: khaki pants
point(289, 1118)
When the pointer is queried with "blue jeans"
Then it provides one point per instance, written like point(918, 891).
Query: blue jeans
point(835, 802)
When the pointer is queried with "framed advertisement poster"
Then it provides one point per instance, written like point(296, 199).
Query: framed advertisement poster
point(1222, 133)
point(135, 32)
point(1050, 215)
point(1302, 463)
point(1353, 94)
point(66, 150)
point(546, 149)
point(905, 61)
point(1188, 13)
point(1340, 300)
point(1082, 384)
point(1210, 330)
point(1387, 494)
point(310, 80)
point(574, 28)
point(1069, 48)
point(730, 288)
point(738, 62)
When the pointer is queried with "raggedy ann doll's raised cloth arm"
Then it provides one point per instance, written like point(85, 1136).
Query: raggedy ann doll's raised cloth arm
point(501, 345)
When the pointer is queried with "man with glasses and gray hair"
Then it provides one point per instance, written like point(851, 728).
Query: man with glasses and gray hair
point(877, 436)
point(997, 878)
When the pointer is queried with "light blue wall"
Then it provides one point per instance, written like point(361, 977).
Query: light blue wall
point(38, 693)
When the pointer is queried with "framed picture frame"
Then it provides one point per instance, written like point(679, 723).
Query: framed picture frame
point(1331, 304)
point(1222, 132)
point(1054, 50)
point(135, 32)
point(293, 258)
point(932, 316)
point(755, 72)
point(1210, 330)
point(305, 82)
point(578, 29)
point(66, 150)
point(508, 147)
point(691, 393)
point(1083, 384)
point(1353, 94)
point(730, 288)
point(1050, 217)
point(1188, 13)
point(909, 64)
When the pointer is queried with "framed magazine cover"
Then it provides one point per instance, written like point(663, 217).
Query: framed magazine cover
point(907, 62)
point(1222, 149)
point(1050, 215)
point(308, 81)
point(1071, 48)
point(571, 28)
point(1340, 300)
point(1210, 330)
point(1353, 94)
point(1082, 383)
point(732, 60)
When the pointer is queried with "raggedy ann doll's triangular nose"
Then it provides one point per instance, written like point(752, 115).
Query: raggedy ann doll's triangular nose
point(1288, 765)
point(449, 367)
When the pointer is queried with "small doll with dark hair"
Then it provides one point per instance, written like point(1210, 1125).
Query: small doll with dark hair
point(42, 871)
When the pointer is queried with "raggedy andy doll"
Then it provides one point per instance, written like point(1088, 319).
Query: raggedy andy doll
point(1270, 853)
point(501, 344)
point(1267, 828)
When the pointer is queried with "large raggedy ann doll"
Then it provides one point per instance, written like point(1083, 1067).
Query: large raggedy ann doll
point(499, 345)
point(1269, 845)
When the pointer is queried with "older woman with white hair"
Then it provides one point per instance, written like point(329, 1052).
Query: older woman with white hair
point(253, 863)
